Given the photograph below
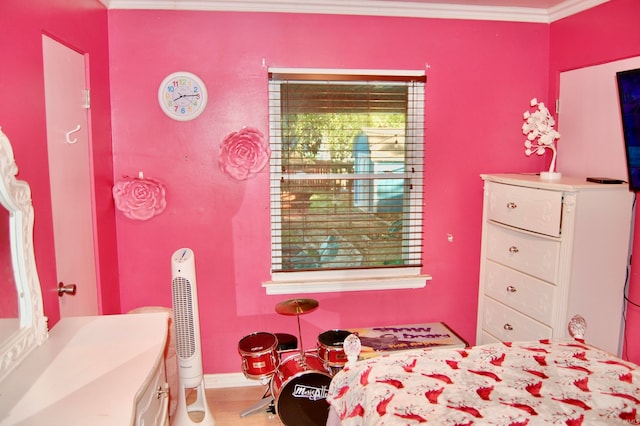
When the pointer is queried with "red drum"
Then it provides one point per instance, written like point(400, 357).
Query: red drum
point(259, 356)
point(288, 354)
point(286, 342)
point(330, 347)
point(287, 345)
point(300, 389)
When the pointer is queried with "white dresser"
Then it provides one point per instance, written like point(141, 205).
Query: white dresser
point(551, 250)
point(100, 370)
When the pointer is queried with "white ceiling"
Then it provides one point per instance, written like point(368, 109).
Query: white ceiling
point(500, 10)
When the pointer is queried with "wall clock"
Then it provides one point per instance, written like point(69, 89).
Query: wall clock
point(182, 95)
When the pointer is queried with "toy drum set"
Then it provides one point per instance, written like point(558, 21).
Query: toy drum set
point(298, 379)
point(259, 355)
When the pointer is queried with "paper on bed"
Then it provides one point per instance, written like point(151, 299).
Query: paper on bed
point(392, 338)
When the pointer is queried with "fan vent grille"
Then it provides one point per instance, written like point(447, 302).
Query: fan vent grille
point(183, 317)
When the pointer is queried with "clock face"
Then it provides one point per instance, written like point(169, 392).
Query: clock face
point(182, 96)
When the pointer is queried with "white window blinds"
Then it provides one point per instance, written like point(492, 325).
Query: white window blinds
point(346, 170)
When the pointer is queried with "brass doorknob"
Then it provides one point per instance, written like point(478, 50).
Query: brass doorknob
point(63, 289)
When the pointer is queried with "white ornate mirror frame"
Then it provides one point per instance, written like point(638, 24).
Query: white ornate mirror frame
point(15, 196)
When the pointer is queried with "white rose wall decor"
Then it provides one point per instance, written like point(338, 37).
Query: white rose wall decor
point(139, 198)
point(244, 153)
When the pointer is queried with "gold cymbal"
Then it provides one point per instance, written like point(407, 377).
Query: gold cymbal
point(296, 306)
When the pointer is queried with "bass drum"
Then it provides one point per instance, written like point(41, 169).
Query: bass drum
point(299, 388)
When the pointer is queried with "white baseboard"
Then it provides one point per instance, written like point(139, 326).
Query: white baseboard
point(229, 380)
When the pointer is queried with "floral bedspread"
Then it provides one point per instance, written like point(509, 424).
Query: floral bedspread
point(526, 383)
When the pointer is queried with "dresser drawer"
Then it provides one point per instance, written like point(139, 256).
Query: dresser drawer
point(527, 253)
point(152, 400)
point(532, 209)
point(520, 292)
point(486, 338)
point(509, 325)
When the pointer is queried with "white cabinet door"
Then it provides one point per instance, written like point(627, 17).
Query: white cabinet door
point(70, 176)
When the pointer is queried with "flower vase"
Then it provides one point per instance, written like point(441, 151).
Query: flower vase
point(551, 174)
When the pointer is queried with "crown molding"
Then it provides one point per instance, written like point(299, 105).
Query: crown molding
point(411, 9)
point(571, 7)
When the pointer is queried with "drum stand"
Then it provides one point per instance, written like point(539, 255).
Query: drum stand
point(260, 405)
point(297, 307)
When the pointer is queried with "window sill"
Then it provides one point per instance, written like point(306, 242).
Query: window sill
point(342, 285)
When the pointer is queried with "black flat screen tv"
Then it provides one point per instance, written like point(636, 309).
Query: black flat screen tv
point(629, 94)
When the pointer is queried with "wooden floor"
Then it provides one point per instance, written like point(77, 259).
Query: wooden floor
point(226, 404)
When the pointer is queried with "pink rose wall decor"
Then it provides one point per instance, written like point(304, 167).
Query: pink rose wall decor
point(244, 153)
point(139, 198)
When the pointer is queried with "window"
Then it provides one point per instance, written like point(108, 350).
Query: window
point(346, 179)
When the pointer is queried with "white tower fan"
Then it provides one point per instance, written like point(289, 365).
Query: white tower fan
point(188, 349)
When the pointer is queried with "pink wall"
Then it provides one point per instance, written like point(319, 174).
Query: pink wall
point(82, 25)
point(480, 80)
point(603, 34)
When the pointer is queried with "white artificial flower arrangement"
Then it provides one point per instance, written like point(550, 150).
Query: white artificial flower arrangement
point(538, 126)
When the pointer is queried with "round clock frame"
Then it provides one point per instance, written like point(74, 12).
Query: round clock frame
point(182, 95)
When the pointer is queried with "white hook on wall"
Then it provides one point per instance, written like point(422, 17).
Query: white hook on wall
point(68, 134)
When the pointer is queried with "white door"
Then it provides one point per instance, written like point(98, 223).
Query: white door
point(591, 141)
point(70, 177)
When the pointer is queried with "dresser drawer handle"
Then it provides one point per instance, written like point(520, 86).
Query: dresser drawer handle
point(162, 390)
point(511, 205)
point(511, 289)
point(508, 327)
point(513, 249)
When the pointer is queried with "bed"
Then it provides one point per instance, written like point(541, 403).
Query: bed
point(562, 382)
